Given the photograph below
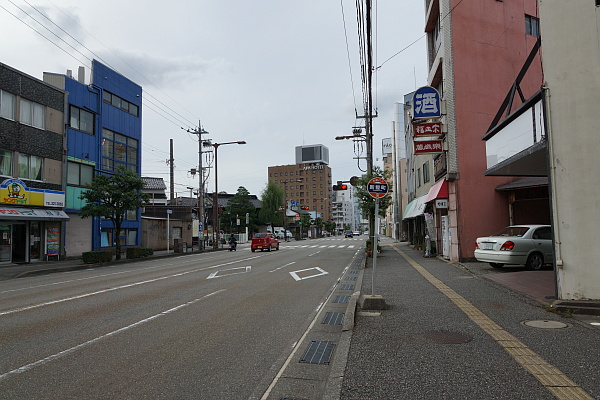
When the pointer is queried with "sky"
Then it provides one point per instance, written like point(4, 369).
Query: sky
point(276, 74)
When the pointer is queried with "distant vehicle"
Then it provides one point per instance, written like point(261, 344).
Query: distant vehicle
point(264, 241)
point(348, 234)
point(529, 245)
point(356, 233)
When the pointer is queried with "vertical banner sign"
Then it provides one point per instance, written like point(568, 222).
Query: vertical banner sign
point(52, 241)
point(377, 188)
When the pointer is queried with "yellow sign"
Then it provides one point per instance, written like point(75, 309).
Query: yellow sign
point(14, 191)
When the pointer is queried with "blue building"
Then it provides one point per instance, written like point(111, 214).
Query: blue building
point(104, 131)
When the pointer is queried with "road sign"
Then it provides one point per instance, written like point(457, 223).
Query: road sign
point(377, 187)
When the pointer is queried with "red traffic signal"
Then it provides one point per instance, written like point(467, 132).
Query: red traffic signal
point(340, 186)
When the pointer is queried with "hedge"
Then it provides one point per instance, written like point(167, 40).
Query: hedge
point(137, 252)
point(97, 256)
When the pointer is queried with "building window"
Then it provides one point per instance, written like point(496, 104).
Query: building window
point(82, 120)
point(118, 151)
point(7, 105)
point(6, 163)
point(32, 114)
point(418, 177)
point(121, 103)
point(426, 172)
point(30, 167)
point(79, 174)
point(532, 25)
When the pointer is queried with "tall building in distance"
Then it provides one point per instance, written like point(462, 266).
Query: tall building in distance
point(307, 184)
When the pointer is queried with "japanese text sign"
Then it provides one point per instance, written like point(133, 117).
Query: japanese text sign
point(426, 103)
point(428, 129)
point(428, 146)
point(377, 187)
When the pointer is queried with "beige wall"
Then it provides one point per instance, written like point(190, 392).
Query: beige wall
point(78, 235)
point(571, 69)
point(52, 171)
point(55, 121)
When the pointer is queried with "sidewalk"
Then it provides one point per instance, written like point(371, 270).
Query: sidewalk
point(453, 334)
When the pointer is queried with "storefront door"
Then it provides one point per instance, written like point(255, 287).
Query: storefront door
point(19, 243)
point(5, 243)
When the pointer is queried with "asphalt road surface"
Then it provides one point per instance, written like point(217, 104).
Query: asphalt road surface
point(205, 326)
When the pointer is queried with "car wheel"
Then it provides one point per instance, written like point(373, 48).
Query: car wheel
point(535, 261)
point(253, 250)
point(497, 265)
point(269, 249)
point(277, 248)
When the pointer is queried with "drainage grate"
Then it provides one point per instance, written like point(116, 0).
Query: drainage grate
point(333, 318)
point(446, 337)
point(347, 287)
point(341, 299)
point(351, 278)
point(353, 272)
point(318, 352)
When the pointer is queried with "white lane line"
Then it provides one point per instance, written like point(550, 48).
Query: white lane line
point(351, 246)
point(286, 265)
point(66, 352)
point(216, 273)
point(100, 276)
point(320, 273)
point(310, 255)
point(81, 296)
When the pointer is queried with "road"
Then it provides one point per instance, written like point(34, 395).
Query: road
point(217, 325)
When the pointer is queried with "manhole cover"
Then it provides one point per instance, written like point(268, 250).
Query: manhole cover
point(446, 337)
point(545, 324)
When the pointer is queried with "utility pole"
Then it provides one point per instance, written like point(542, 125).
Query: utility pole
point(172, 172)
point(201, 221)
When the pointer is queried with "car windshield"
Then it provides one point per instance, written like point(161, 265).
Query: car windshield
point(514, 231)
point(260, 236)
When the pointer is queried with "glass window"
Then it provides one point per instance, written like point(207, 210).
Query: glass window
point(108, 134)
point(106, 237)
point(86, 174)
point(131, 237)
point(7, 105)
point(23, 166)
point(26, 114)
point(532, 25)
point(72, 174)
point(120, 152)
point(106, 96)
point(133, 109)
point(5, 163)
point(39, 116)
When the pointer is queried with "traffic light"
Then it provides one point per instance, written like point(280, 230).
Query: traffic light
point(340, 186)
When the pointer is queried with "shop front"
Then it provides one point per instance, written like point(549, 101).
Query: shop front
point(29, 234)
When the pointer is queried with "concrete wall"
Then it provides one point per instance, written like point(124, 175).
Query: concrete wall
point(572, 68)
point(78, 235)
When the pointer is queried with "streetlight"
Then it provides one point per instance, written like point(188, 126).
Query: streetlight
point(216, 194)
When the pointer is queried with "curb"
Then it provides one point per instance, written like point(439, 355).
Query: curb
point(333, 386)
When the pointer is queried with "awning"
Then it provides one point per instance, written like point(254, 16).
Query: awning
point(415, 208)
point(32, 214)
point(438, 191)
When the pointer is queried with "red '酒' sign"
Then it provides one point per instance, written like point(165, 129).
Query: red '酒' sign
point(428, 146)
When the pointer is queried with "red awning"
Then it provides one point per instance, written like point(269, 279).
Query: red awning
point(438, 191)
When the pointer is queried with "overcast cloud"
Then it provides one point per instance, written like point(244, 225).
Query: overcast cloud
point(272, 73)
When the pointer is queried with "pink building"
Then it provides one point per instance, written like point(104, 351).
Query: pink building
point(476, 52)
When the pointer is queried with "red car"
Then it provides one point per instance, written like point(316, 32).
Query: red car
point(264, 241)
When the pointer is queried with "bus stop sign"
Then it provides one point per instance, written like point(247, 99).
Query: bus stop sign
point(377, 188)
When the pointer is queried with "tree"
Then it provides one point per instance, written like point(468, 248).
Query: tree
point(319, 226)
point(272, 199)
point(111, 196)
point(237, 207)
point(366, 202)
point(329, 226)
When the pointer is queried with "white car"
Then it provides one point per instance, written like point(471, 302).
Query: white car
point(529, 245)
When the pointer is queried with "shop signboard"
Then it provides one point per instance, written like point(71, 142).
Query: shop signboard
point(428, 146)
point(428, 129)
point(426, 103)
point(14, 191)
point(52, 241)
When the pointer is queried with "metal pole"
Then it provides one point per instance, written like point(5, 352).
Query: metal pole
point(200, 192)
point(216, 203)
point(375, 241)
point(168, 236)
